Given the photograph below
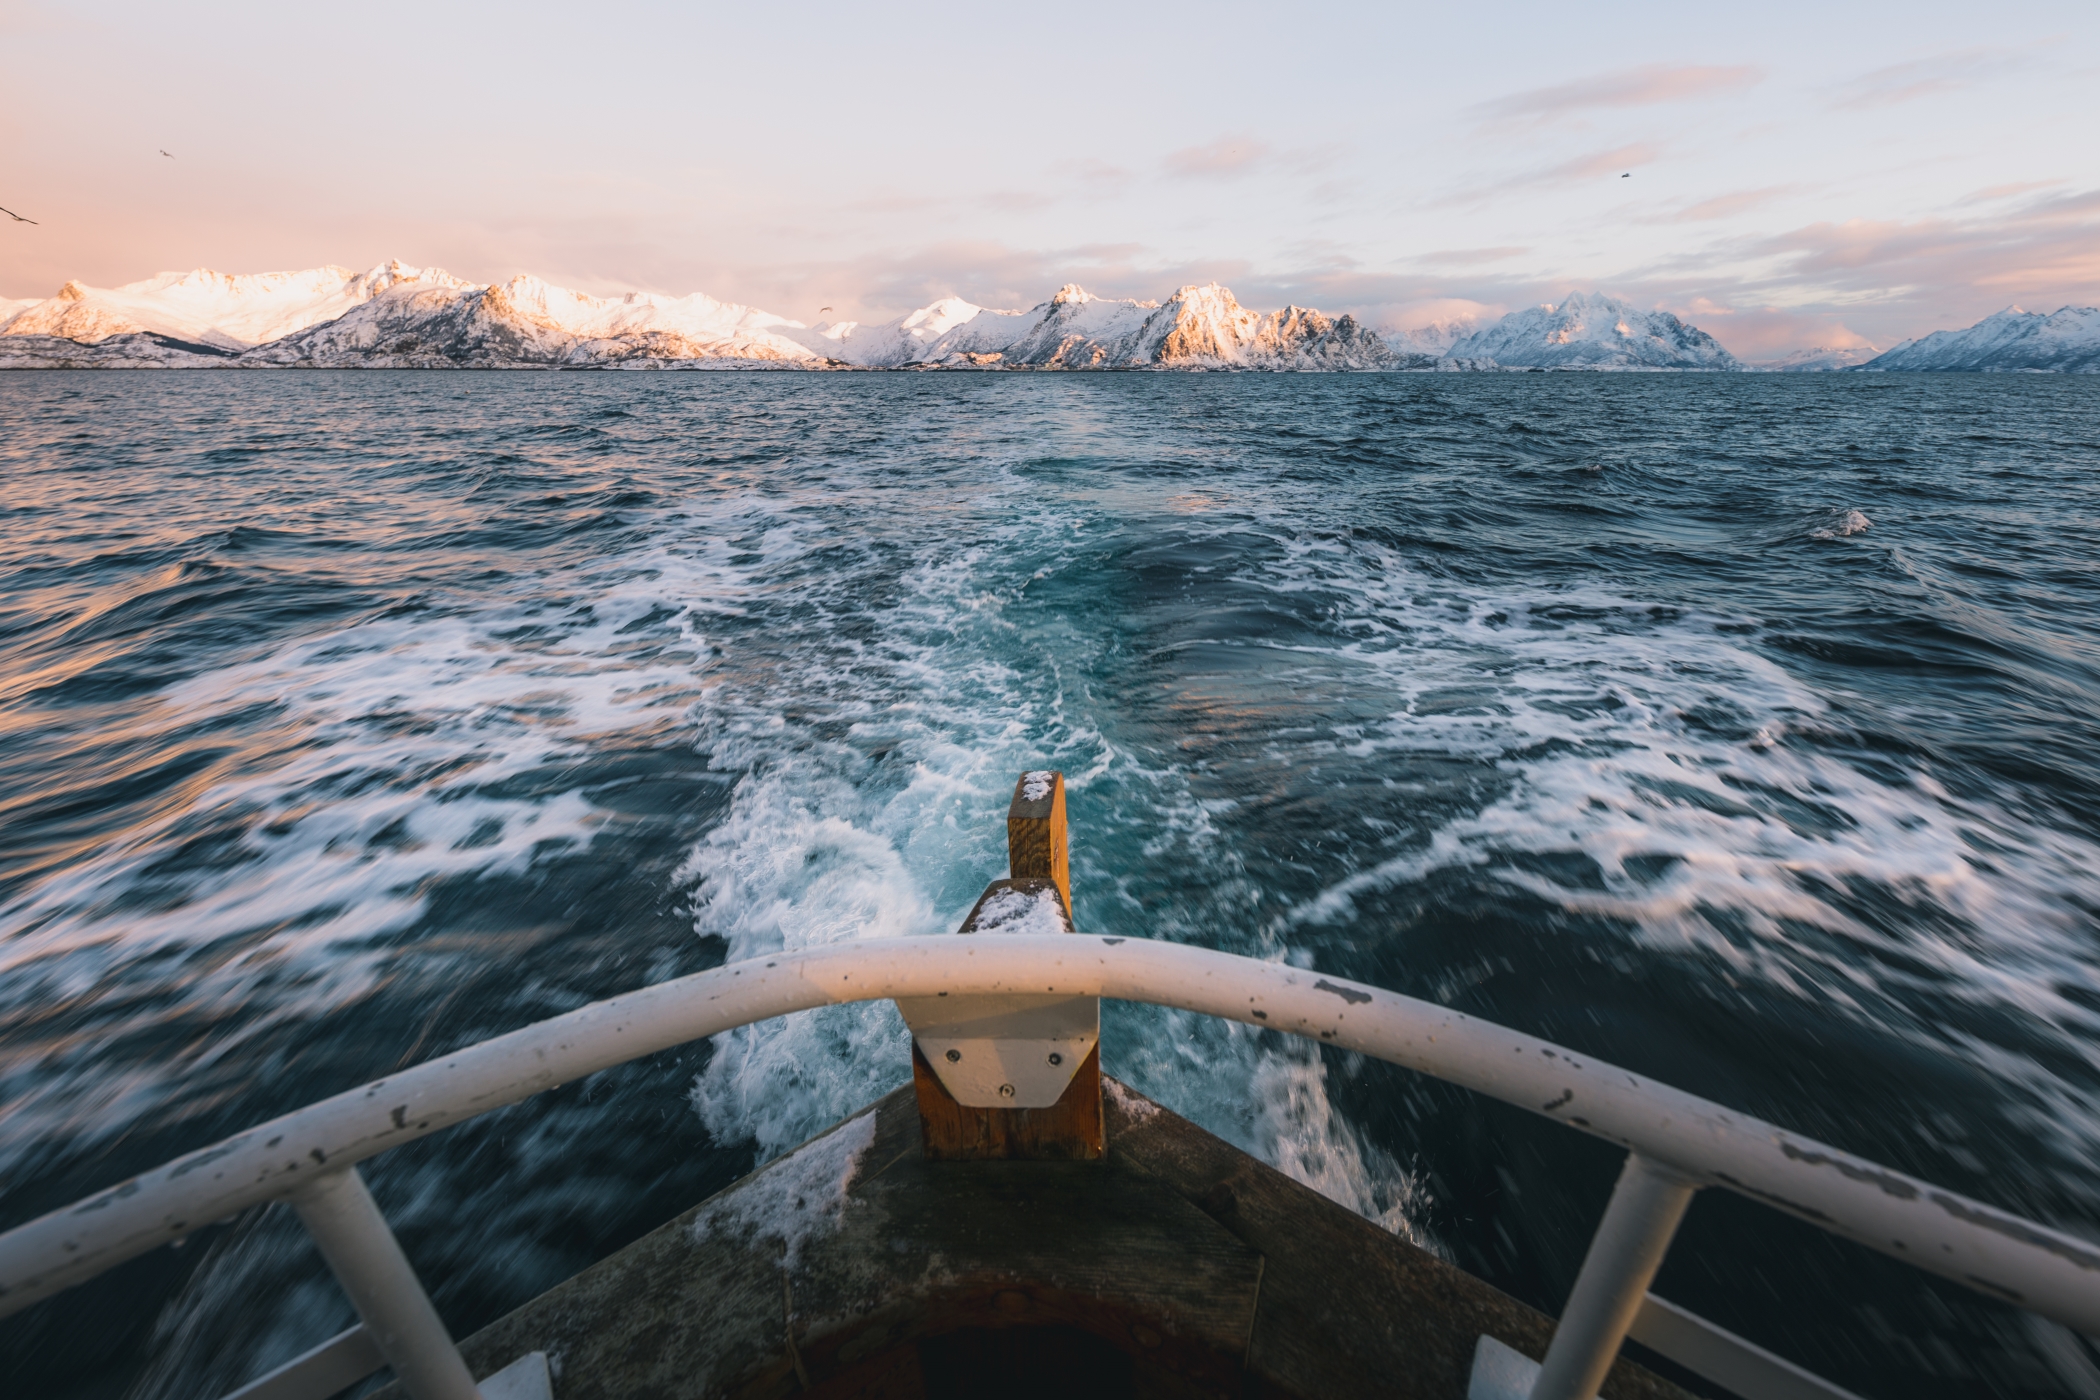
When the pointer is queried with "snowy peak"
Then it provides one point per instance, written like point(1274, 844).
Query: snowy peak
point(213, 309)
point(2067, 341)
point(943, 315)
point(949, 329)
point(1201, 326)
point(11, 307)
point(1821, 359)
point(1593, 331)
point(527, 322)
point(1074, 330)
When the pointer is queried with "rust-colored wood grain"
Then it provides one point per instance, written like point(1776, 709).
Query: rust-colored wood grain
point(1036, 845)
point(1068, 1130)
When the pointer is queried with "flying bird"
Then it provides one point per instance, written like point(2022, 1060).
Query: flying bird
point(1627, 176)
point(822, 309)
point(169, 154)
point(17, 217)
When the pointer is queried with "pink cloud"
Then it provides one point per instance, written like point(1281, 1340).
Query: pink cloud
point(1925, 77)
point(2046, 246)
point(1725, 206)
point(1635, 87)
point(1225, 158)
point(1992, 193)
point(1597, 165)
point(1465, 257)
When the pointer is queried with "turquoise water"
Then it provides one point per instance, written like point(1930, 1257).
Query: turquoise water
point(1740, 730)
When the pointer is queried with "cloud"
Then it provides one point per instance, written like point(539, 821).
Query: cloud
point(1993, 193)
point(2045, 244)
point(1598, 165)
point(1096, 177)
point(1925, 77)
point(1762, 333)
point(1408, 315)
point(1890, 279)
point(1017, 201)
point(906, 202)
point(1635, 87)
point(1465, 257)
point(1228, 157)
point(1725, 206)
point(1616, 161)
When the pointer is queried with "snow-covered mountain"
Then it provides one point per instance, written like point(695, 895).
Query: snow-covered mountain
point(949, 330)
point(525, 323)
point(133, 351)
point(1435, 339)
point(401, 317)
point(1821, 358)
point(2065, 342)
point(211, 309)
point(1592, 331)
point(1429, 347)
point(1199, 327)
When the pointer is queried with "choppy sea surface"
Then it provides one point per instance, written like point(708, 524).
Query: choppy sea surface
point(1741, 730)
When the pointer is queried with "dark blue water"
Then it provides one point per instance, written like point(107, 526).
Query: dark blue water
point(1742, 730)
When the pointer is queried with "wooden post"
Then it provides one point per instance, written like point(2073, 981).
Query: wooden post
point(1036, 848)
point(1070, 1129)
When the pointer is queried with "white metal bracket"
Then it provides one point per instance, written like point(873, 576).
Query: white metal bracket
point(1010, 1050)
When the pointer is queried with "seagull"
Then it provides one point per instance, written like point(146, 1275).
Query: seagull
point(169, 154)
point(17, 217)
point(1627, 176)
point(822, 309)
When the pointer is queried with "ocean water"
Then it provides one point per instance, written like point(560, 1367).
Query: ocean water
point(1742, 730)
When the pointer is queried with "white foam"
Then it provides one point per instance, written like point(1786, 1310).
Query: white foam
point(394, 739)
point(1609, 729)
point(1852, 522)
point(817, 848)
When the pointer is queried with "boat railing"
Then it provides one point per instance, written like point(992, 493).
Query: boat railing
point(1677, 1144)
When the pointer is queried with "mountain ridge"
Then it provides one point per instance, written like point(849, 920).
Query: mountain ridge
point(1590, 330)
point(396, 315)
point(2066, 341)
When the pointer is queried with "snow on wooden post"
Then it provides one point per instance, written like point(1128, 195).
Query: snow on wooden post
point(1036, 848)
point(1019, 1048)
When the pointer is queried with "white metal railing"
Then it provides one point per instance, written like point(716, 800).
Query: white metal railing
point(1676, 1143)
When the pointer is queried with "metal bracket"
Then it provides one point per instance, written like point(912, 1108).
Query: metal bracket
point(1017, 1050)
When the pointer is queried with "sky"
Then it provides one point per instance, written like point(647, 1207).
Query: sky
point(1782, 175)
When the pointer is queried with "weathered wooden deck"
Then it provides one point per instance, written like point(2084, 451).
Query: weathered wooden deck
point(1175, 1266)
